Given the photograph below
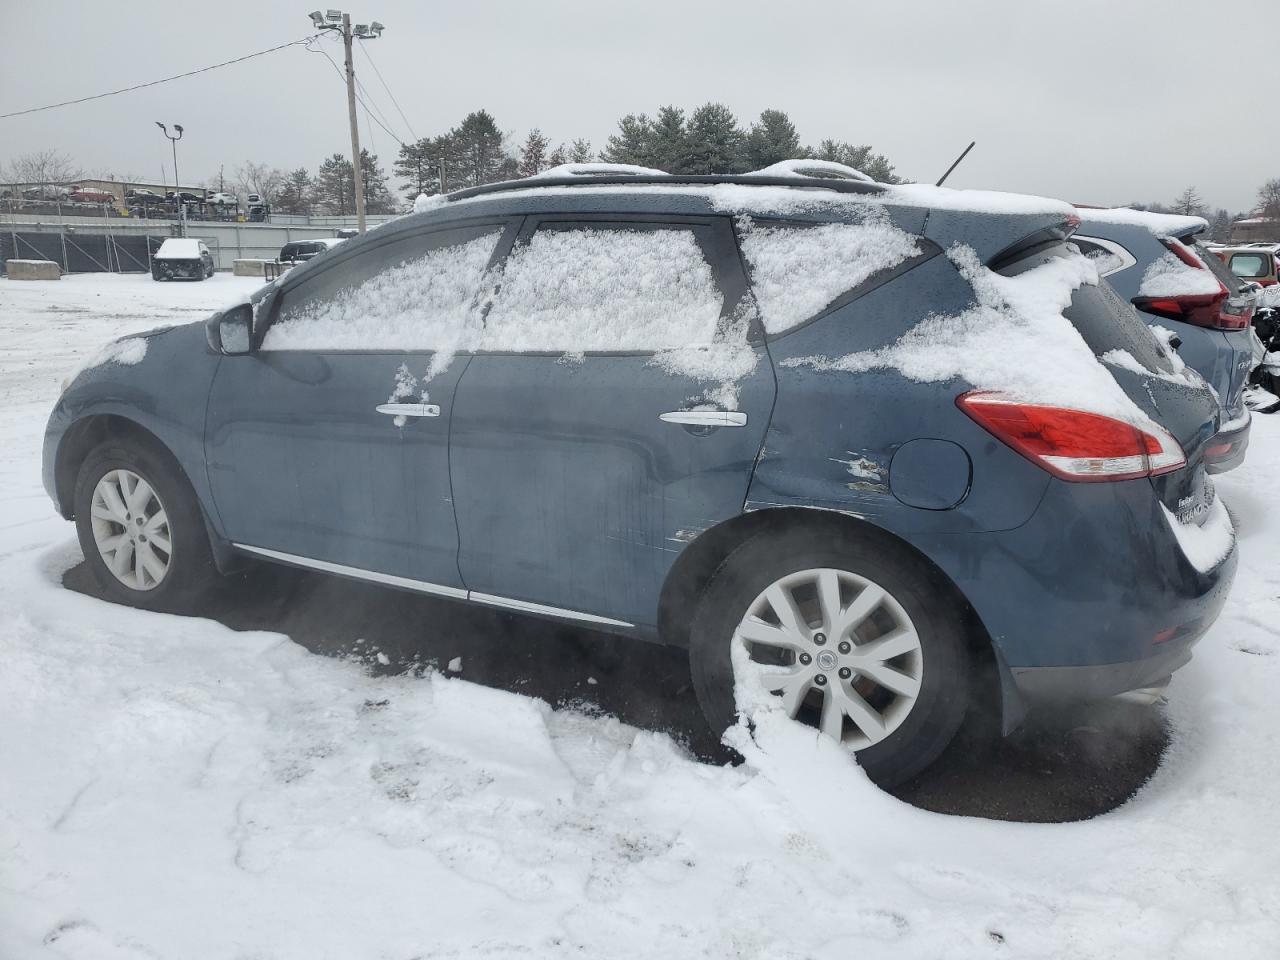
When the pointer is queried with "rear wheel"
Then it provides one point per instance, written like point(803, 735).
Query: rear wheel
point(141, 528)
point(856, 637)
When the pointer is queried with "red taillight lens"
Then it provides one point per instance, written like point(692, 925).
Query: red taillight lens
point(1212, 310)
point(1073, 444)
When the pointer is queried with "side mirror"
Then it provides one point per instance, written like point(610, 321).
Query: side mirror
point(231, 333)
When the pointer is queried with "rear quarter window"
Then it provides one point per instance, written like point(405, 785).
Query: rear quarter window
point(798, 269)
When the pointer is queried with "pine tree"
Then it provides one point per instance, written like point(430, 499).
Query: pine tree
point(477, 153)
point(669, 146)
point(295, 193)
point(558, 157)
point(633, 143)
point(772, 139)
point(716, 142)
point(580, 152)
point(335, 185)
point(533, 155)
point(377, 196)
point(1220, 226)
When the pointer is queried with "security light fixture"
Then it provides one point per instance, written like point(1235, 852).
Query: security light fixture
point(334, 16)
point(317, 18)
point(376, 28)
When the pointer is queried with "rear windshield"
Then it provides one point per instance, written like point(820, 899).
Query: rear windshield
point(1215, 264)
point(1104, 319)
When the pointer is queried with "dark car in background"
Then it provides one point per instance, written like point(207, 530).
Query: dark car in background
point(300, 251)
point(182, 258)
point(726, 414)
point(1159, 263)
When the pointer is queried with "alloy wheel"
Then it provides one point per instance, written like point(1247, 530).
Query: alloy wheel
point(838, 650)
point(131, 529)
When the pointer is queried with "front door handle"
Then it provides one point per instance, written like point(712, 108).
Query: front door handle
point(409, 409)
point(706, 418)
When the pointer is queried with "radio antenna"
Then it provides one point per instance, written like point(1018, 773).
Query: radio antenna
point(956, 164)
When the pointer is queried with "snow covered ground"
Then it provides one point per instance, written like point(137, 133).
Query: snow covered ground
point(172, 789)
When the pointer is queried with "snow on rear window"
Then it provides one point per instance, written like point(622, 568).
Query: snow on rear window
point(1170, 277)
point(796, 271)
point(576, 290)
point(424, 303)
point(1015, 339)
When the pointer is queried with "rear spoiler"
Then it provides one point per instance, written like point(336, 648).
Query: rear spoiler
point(999, 238)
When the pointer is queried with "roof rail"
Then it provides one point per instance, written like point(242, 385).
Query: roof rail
point(631, 180)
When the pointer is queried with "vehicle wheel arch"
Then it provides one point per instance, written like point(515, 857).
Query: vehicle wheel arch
point(88, 432)
point(693, 569)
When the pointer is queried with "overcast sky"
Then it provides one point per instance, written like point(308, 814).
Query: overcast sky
point(1091, 101)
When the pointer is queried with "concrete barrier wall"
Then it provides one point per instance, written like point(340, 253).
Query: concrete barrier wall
point(32, 270)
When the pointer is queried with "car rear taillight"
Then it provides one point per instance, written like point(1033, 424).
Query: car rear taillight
point(1074, 444)
point(1212, 310)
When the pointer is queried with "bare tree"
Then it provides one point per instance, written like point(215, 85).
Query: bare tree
point(1189, 203)
point(44, 167)
point(1269, 198)
point(260, 179)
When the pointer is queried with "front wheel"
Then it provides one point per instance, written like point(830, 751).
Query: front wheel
point(141, 528)
point(857, 637)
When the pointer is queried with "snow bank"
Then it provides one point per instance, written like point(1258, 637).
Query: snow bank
point(173, 789)
point(1014, 340)
point(796, 271)
point(422, 304)
point(1160, 224)
point(1170, 277)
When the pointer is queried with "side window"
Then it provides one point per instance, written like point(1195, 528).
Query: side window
point(1106, 261)
point(416, 293)
point(798, 269)
point(629, 287)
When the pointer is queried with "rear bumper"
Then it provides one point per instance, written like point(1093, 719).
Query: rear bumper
point(1227, 449)
point(1039, 685)
point(1091, 597)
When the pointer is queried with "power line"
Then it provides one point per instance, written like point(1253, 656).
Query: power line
point(368, 56)
point(343, 78)
point(139, 86)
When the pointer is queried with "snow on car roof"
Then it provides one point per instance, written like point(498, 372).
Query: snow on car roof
point(812, 169)
point(1160, 224)
point(806, 196)
point(179, 248)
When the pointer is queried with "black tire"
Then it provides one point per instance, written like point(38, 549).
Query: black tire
point(190, 566)
point(927, 599)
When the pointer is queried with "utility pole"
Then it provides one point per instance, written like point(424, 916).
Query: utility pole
point(334, 20)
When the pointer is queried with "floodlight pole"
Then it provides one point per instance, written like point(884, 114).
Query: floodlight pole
point(327, 21)
point(177, 190)
point(355, 129)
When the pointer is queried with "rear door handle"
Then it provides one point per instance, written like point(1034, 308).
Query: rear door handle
point(706, 418)
point(409, 409)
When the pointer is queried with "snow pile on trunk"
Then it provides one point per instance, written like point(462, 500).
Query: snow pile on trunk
point(417, 305)
point(576, 290)
point(1015, 340)
point(796, 271)
point(1170, 277)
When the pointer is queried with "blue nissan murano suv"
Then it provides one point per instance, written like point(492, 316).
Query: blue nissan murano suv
point(875, 456)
